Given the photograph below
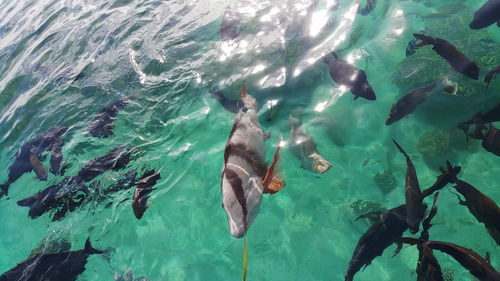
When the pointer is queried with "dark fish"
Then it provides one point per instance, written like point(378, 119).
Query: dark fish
point(245, 175)
point(490, 75)
point(487, 15)
point(379, 236)
point(409, 102)
point(370, 5)
point(37, 165)
point(414, 207)
point(428, 268)
point(22, 163)
point(349, 76)
point(103, 124)
point(62, 197)
point(141, 194)
point(390, 228)
point(491, 140)
point(56, 157)
point(447, 176)
point(304, 147)
point(482, 207)
point(62, 266)
point(229, 26)
point(458, 61)
point(116, 159)
point(479, 120)
point(470, 260)
point(230, 105)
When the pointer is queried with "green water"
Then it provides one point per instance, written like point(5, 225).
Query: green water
point(167, 54)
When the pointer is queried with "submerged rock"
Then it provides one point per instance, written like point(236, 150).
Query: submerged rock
point(435, 142)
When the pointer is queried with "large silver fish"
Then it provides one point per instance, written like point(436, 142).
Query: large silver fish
point(245, 174)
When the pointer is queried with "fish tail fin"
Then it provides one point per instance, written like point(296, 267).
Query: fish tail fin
point(426, 40)
point(272, 181)
point(91, 250)
point(400, 149)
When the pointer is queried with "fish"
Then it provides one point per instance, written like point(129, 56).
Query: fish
point(102, 125)
point(349, 76)
point(56, 157)
point(141, 194)
point(487, 15)
point(491, 140)
point(37, 166)
point(414, 207)
point(51, 245)
point(370, 5)
point(387, 230)
point(304, 147)
point(230, 105)
point(428, 268)
point(229, 26)
point(59, 266)
point(22, 163)
point(470, 260)
point(483, 208)
point(409, 102)
point(458, 61)
point(480, 119)
point(245, 174)
point(116, 159)
point(491, 74)
point(390, 227)
point(62, 197)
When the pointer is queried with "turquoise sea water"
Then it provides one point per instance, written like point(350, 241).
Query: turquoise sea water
point(168, 55)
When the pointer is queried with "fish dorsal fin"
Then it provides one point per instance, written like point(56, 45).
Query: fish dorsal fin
point(272, 182)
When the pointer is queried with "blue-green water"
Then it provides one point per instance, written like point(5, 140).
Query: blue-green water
point(168, 55)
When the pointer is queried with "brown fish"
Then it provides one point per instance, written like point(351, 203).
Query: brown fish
point(409, 102)
point(352, 78)
point(470, 260)
point(479, 120)
point(414, 207)
point(481, 206)
point(36, 164)
point(458, 61)
point(141, 194)
point(491, 140)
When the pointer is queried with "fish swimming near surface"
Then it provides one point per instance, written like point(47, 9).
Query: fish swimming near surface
point(490, 75)
point(229, 26)
point(352, 78)
point(56, 157)
point(60, 266)
point(303, 146)
point(409, 102)
point(36, 164)
point(415, 209)
point(116, 159)
point(487, 15)
point(470, 260)
point(481, 206)
point(387, 230)
point(491, 140)
point(230, 105)
point(245, 174)
point(103, 124)
point(141, 194)
point(62, 197)
point(458, 61)
point(24, 159)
